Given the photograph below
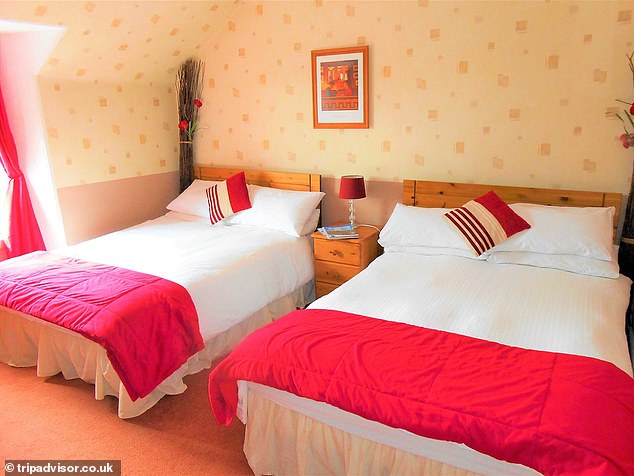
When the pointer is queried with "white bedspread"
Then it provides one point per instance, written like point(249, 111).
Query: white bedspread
point(516, 305)
point(230, 271)
point(240, 278)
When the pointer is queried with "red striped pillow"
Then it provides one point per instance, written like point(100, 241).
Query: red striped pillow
point(486, 222)
point(228, 197)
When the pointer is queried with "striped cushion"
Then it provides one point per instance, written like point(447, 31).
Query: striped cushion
point(228, 197)
point(486, 222)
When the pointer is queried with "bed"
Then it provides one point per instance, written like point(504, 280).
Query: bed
point(240, 273)
point(501, 316)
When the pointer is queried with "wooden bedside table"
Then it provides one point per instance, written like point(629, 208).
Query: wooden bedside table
point(336, 261)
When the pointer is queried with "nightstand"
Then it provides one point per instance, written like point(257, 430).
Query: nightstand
point(336, 261)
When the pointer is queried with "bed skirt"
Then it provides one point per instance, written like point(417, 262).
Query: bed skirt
point(285, 442)
point(26, 341)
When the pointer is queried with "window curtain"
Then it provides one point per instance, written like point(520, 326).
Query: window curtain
point(24, 232)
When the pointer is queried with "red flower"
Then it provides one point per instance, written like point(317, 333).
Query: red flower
point(183, 125)
point(627, 140)
point(632, 109)
point(199, 103)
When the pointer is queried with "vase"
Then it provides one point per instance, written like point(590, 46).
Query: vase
point(186, 164)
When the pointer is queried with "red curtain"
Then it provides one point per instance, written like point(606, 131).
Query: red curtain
point(24, 232)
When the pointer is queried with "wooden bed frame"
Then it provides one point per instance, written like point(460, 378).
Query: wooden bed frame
point(418, 193)
point(414, 193)
point(284, 180)
point(219, 345)
point(422, 193)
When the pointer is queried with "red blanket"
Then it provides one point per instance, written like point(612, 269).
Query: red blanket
point(148, 325)
point(556, 413)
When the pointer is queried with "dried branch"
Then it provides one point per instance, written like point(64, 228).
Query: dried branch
point(631, 63)
point(189, 85)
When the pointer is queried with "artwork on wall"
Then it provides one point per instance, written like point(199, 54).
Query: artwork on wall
point(340, 88)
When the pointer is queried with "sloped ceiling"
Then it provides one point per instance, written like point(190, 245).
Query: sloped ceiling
point(123, 41)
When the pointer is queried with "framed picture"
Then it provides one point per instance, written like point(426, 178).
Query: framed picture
point(340, 88)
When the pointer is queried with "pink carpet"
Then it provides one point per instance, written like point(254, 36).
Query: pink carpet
point(58, 419)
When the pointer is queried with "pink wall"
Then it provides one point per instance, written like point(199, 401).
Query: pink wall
point(374, 209)
point(95, 209)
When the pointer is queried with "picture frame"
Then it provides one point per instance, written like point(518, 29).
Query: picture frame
point(340, 88)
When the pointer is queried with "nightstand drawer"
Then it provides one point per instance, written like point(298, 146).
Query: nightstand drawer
point(338, 251)
point(334, 273)
point(321, 289)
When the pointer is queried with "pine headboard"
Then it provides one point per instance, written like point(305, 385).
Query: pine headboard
point(266, 178)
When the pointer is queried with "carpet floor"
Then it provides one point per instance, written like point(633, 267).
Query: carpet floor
point(58, 419)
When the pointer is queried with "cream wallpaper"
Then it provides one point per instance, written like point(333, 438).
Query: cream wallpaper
point(107, 90)
point(110, 131)
point(119, 41)
point(507, 92)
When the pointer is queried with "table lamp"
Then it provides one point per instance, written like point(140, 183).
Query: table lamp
point(352, 187)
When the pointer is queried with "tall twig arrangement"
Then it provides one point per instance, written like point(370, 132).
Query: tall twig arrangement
point(189, 84)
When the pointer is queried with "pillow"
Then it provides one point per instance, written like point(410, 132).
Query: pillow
point(228, 197)
point(485, 222)
point(193, 200)
point(431, 251)
point(184, 216)
point(571, 263)
point(311, 223)
point(416, 226)
point(276, 209)
point(579, 231)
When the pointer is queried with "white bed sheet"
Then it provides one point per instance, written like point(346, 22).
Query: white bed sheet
point(240, 278)
point(517, 305)
point(229, 271)
point(512, 304)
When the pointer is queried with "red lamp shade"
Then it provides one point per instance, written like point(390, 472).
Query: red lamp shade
point(352, 187)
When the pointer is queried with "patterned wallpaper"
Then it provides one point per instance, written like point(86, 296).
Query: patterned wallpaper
point(109, 132)
point(111, 41)
point(108, 87)
point(508, 92)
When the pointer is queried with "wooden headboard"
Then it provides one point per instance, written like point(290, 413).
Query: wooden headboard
point(423, 193)
point(266, 178)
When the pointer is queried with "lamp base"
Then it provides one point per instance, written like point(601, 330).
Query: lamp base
point(351, 208)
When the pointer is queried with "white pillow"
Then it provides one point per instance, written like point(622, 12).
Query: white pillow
point(311, 223)
point(579, 231)
point(571, 263)
point(417, 226)
point(432, 251)
point(276, 209)
point(185, 217)
point(193, 200)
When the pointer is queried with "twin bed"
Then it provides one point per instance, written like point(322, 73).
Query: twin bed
point(240, 277)
point(513, 363)
point(430, 361)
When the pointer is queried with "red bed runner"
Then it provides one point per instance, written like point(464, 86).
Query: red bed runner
point(147, 325)
point(556, 413)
